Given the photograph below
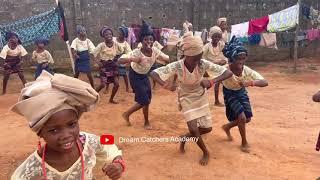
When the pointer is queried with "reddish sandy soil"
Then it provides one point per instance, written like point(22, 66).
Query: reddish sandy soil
point(282, 134)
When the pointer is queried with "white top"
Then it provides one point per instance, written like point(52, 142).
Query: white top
point(18, 51)
point(80, 46)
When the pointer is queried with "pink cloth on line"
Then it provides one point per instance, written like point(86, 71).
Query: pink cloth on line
point(313, 34)
point(258, 25)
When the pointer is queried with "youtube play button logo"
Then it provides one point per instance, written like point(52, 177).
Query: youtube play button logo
point(107, 139)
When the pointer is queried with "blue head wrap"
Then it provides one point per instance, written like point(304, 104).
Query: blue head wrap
point(80, 28)
point(104, 29)
point(233, 49)
point(146, 30)
point(41, 41)
point(124, 30)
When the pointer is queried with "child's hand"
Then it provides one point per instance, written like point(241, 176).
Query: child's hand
point(205, 84)
point(113, 170)
point(246, 83)
point(76, 56)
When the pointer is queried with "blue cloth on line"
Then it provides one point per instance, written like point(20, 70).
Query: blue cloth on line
point(237, 102)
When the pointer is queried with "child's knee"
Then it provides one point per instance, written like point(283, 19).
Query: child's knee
point(242, 118)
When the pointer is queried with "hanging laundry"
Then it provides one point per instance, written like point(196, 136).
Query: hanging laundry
point(254, 39)
point(240, 30)
point(131, 37)
point(269, 40)
point(305, 11)
point(157, 34)
point(258, 25)
point(315, 16)
point(302, 35)
point(204, 36)
point(43, 25)
point(313, 34)
point(197, 33)
point(284, 20)
point(165, 33)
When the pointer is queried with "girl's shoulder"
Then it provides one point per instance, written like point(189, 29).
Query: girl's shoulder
point(29, 168)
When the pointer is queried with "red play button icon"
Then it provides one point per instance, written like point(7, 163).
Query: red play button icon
point(106, 139)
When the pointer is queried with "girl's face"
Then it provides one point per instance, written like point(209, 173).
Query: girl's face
point(240, 61)
point(108, 35)
point(61, 131)
point(223, 26)
point(147, 42)
point(83, 34)
point(40, 45)
point(120, 34)
point(13, 40)
point(193, 61)
point(216, 38)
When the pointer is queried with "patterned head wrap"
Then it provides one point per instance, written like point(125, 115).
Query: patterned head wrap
point(80, 29)
point(233, 49)
point(104, 29)
point(9, 35)
point(220, 20)
point(49, 94)
point(41, 41)
point(214, 30)
point(124, 30)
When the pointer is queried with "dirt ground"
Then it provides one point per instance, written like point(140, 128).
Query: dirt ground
point(282, 134)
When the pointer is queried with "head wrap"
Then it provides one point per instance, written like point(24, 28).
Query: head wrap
point(191, 45)
point(80, 28)
point(146, 30)
point(49, 94)
point(104, 29)
point(233, 49)
point(220, 20)
point(124, 30)
point(214, 30)
point(9, 35)
point(41, 41)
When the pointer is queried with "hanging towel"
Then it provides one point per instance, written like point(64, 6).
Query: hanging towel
point(254, 39)
point(258, 25)
point(269, 40)
point(284, 20)
point(306, 11)
point(313, 34)
point(240, 30)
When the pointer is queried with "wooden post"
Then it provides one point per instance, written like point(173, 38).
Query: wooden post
point(295, 53)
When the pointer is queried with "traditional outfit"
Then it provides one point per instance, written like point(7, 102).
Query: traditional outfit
point(236, 97)
point(108, 57)
point(126, 48)
point(225, 36)
point(192, 97)
point(44, 59)
point(12, 57)
point(214, 54)
point(61, 92)
point(83, 50)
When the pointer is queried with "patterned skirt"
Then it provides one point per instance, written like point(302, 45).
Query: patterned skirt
point(82, 64)
point(12, 65)
point(141, 87)
point(236, 103)
point(108, 72)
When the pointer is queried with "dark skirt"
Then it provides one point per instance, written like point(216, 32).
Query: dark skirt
point(236, 102)
point(108, 71)
point(82, 64)
point(122, 71)
point(40, 69)
point(141, 87)
point(12, 65)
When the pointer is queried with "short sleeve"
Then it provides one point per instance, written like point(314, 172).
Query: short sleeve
point(119, 49)
point(103, 152)
point(91, 46)
point(127, 48)
point(252, 74)
point(74, 44)
point(160, 54)
point(157, 45)
point(49, 57)
point(4, 52)
point(33, 55)
point(205, 52)
point(23, 51)
point(165, 72)
point(97, 50)
point(212, 69)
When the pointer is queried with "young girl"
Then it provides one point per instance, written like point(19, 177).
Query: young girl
point(42, 57)
point(222, 23)
point(67, 152)
point(141, 62)
point(81, 48)
point(12, 54)
point(212, 52)
point(108, 53)
point(236, 99)
point(121, 40)
point(316, 98)
point(192, 95)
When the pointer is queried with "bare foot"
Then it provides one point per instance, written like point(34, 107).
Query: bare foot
point(219, 104)
point(147, 127)
point(204, 160)
point(227, 131)
point(113, 102)
point(245, 148)
point(125, 116)
point(181, 149)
